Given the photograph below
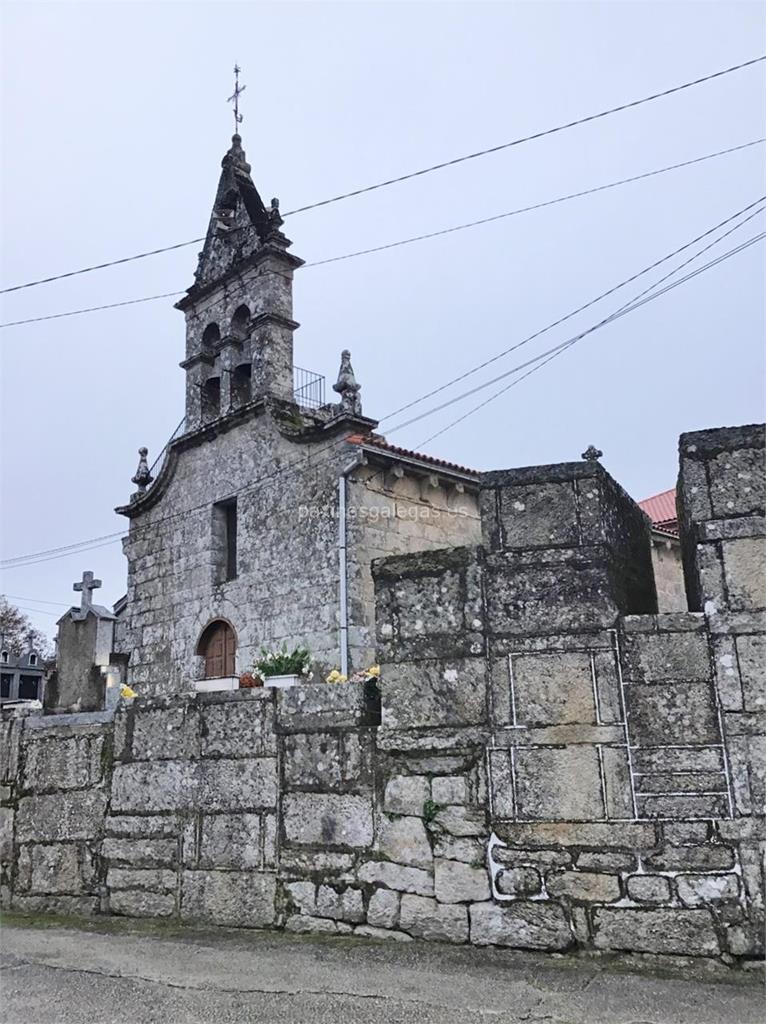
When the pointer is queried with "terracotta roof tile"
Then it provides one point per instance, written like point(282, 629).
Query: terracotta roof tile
point(407, 453)
point(661, 509)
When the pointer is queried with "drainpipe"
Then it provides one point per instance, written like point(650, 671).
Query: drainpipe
point(358, 460)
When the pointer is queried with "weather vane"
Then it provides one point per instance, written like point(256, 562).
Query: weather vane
point(234, 98)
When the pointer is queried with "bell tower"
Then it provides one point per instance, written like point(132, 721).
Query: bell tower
point(239, 325)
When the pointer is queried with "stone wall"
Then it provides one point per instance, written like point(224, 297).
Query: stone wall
point(668, 572)
point(548, 762)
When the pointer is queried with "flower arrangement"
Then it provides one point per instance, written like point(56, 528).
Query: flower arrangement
point(283, 663)
point(362, 676)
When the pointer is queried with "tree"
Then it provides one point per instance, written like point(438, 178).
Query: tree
point(18, 632)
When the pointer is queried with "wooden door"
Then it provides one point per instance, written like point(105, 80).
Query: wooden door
point(219, 651)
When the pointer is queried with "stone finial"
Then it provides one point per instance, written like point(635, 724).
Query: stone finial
point(143, 476)
point(275, 217)
point(87, 585)
point(592, 454)
point(347, 387)
point(236, 156)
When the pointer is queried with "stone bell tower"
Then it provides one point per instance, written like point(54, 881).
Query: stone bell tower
point(239, 326)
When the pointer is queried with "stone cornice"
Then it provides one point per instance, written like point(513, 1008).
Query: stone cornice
point(221, 425)
point(262, 319)
point(264, 252)
point(200, 357)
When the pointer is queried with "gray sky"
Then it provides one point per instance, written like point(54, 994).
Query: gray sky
point(115, 120)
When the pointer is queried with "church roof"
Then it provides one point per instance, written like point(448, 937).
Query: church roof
point(661, 509)
point(406, 453)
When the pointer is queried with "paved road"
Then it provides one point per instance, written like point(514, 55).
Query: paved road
point(119, 972)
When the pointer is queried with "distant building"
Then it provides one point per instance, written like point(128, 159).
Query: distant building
point(666, 551)
point(22, 677)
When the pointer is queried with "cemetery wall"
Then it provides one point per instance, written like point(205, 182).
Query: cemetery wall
point(547, 763)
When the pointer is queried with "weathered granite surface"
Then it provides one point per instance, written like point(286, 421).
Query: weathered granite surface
point(547, 763)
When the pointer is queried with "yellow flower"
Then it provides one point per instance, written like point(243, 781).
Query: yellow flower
point(374, 671)
point(336, 677)
point(127, 693)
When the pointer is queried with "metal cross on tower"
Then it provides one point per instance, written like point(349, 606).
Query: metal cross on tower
point(234, 98)
point(87, 586)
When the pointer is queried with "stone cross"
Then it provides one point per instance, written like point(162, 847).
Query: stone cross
point(87, 586)
point(592, 454)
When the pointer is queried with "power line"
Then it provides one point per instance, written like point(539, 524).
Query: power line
point(568, 316)
point(66, 548)
point(532, 137)
point(34, 600)
point(91, 309)
point(41, 556)
point(634, 304)
point(537, 206)
point(36, 611)
point(419, 173)
point(564, 346)
point(99, 266)
point(403, 241)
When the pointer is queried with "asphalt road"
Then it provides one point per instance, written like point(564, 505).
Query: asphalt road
point(119, 972)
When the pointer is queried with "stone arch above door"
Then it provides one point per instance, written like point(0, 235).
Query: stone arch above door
point(218, 648)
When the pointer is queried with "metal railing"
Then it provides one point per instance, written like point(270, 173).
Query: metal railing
point(309, 393)
point(308, 388)
point(158, 463)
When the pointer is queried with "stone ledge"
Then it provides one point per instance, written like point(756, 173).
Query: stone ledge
point(726, 622)
point(317, 707)
point(665, 622)
point(701, 444)
point(731, 529)
point(80, 720)
point(557, 472)
point(422, 563)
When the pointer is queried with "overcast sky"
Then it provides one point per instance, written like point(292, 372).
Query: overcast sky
point(115, 119)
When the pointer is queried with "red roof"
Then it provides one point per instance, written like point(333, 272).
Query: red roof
point(407, 453)
point(661, 509)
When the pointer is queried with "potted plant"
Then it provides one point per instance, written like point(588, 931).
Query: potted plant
point(248, 681)
point(283, 668)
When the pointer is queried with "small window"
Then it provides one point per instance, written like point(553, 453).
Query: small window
point(4, 657)
point(5, 684)
point(225, 540)
point(28, 687)
point(32, 659)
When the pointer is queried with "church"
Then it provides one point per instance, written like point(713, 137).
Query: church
point(259, 524)
point(542, 758)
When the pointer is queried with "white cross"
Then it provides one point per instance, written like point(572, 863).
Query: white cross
point(87, 586)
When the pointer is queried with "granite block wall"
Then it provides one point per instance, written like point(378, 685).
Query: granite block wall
point(547, 762)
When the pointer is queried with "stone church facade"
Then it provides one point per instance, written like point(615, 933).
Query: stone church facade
point(268, 509)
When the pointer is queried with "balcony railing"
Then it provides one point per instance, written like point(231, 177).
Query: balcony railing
point(308, 388)
point(308, 391)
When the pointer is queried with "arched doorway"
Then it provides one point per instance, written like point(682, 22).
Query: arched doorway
point(218, 646)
